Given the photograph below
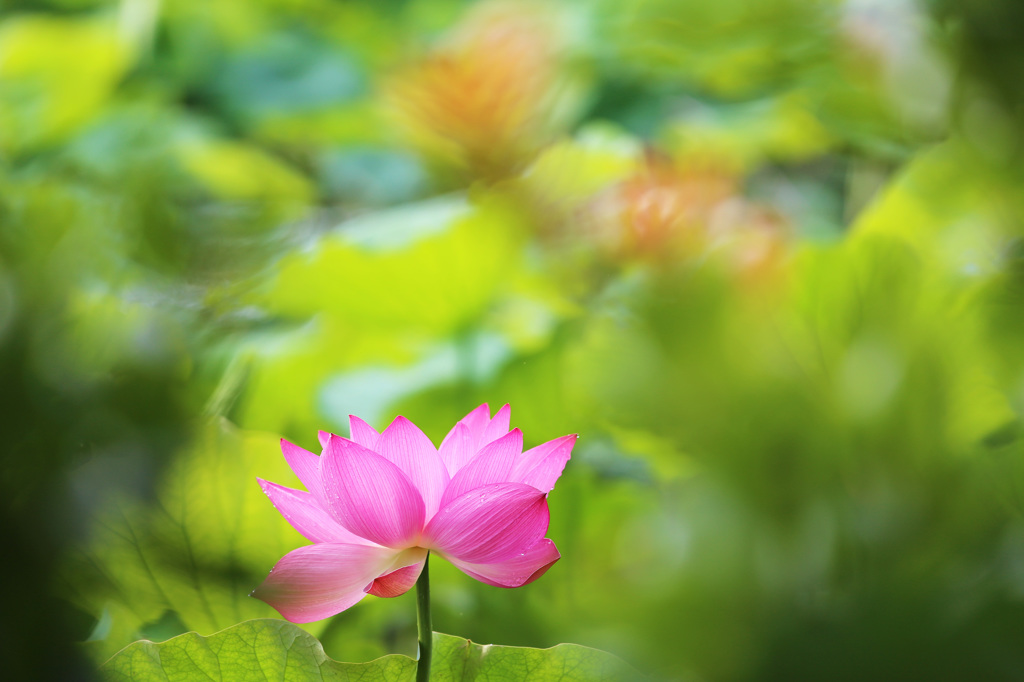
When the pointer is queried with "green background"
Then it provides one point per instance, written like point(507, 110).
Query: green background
point(796, 365)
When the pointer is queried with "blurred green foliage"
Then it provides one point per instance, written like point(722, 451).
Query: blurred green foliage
point(764, 257)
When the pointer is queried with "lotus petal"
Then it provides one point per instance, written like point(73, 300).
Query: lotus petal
point(305, 515)
point(476, 421)
point(317, 581)
point(306, 466)
point(541, 466)
point(489, 524)
point(369, 495)
point(492, 464)
point(362, 433)
point(497, 427)
point(396, 583)
point(517, 571)
point(407, 447)
point(456, 449)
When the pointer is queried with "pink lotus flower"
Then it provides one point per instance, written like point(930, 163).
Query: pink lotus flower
point(377, 503)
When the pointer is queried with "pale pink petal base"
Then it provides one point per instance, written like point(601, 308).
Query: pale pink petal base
point(517, 571)
point(317, 581)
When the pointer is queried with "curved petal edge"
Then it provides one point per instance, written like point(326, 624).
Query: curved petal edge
point(318, 581)
point(517, 571)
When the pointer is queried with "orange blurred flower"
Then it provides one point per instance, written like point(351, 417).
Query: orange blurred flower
point(662, 208)
point(485, 101)
point(671, 211)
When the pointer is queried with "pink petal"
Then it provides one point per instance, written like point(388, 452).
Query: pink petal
point(397, 582)
point(489, 524)
point(492, 464)
point(405, 445)
point(476, 421)
point(362, 433)
point(517, 571)
point(306, 466)
point(369, 495)
point(456, 448)
point(541, 466)
point(497, 427)
point(318, 581)
point(323, 437)
point(301, 510)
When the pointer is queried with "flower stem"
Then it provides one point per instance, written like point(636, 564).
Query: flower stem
point(424, 626)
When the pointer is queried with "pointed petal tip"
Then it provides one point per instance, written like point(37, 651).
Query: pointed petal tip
point(341, 442)
point(304, 464)
point(482, 407)
point(399, 422)
point(335, 440)
point(542, 570)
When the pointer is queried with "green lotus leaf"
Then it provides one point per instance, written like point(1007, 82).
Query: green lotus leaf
point(188, 559)
point(277, 650)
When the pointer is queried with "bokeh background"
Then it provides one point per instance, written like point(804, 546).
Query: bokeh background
point(764, 256)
